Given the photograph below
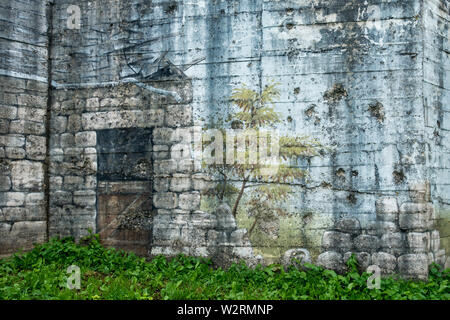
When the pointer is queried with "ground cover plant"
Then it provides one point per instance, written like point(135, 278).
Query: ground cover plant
point(113, 274)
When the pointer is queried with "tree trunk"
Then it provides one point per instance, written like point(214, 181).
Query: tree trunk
point(250, 231)
point(241, 192)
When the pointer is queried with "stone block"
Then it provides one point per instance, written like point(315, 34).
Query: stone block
point(27, 175)
point(366, 243)
point(4, 126)
point(180, 183)
point(440, 257)
point(36, 147)
point(109, 102)
point(86, 139)
point(165, 200)
point(225, 220)
point(12, 140)
point(122, 119)
point(415, 222)
point(15, 153)
point(435, 240)
point(180, 151)
point(161, 184)
point(8, 112)
point(163, 136)
point(337, 241)
point(55, 141)
point(416, 216)
point(164, 167)
point(418, 242)
point(393, 243)
point(132, 102)
point(56, 182)
point(426, 209)
point(74, 123)
point(384, 227)
point(387, 209)
point(92, 104)
point(67, 140)
point(27, 127)
point(160, 147)
point(202, 182)
point(32, 114)
point(364, 259)
point(185, 165)
point(419, 191)
point(212, 237)
point(348, 225)
point(189, 201)
point(56, 155)
point(60, 198)
point(5, 183)
point(90, 182)
point(31, 100)
point(13, 214)
point(331, 260)
point(184, 135)
point(203, 220)
point(431, 259)
point(36, 198)
point(385, 261)
point(73, 182)
point(414, 265)
point(161, 155)
point(58, 124)
point(26, 233)
point(295, 257)
point(85, 198)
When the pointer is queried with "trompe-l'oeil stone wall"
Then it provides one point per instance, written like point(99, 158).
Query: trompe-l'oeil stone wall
point(97, 126)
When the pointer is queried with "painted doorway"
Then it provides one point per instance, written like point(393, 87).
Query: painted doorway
point(124, 188)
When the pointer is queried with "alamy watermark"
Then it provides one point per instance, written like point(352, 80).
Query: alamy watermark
point(74, 278)
point(374, 281)
point(74, 18)
point(237, 147)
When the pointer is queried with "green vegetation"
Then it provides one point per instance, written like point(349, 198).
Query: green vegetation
point(114, 274)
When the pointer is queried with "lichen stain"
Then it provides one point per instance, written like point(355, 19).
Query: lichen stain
point(376, 110)
point(443, 226)
point(335, 94)
point(399, 176)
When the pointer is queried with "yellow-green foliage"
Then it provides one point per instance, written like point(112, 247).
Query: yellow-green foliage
point(266, 191)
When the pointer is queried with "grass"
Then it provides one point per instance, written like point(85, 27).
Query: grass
point(113, 274)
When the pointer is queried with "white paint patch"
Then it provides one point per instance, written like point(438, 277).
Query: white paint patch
point(21, 75)
point(329, 18)
point(307, 36)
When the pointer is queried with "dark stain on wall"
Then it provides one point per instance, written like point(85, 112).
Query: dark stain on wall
point(124, 154)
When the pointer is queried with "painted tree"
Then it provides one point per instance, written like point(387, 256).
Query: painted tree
point(268, 186)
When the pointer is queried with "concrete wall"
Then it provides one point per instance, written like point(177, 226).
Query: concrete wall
point(365, 78)
point(23, 111)
point(436, 97)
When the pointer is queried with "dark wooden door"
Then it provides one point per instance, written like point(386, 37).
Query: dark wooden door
point(124, 192)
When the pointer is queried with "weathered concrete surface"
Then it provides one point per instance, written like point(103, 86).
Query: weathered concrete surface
point(369, 79)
